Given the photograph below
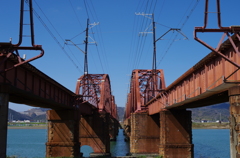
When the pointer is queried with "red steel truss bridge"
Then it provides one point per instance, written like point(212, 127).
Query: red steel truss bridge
point(87, 116)
point(157, 121)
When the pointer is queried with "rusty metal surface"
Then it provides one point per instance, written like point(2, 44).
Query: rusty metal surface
point(226, 32)
point(206, 78)
point(6, 49)
point(210, 76)
point(63, 132)
point(176, 134)
point(234, 100)
point(96, 90)
point(144, 138)
point(94, 131)
point(144, 86)
point(28, 85)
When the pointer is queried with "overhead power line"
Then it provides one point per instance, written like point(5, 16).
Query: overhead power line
point(183, 24)
point(52, 35)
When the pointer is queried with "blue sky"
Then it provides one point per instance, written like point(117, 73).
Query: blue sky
point(120, 48)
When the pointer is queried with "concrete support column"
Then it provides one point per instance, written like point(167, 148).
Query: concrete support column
point(144, 139)
point(117, 126)
point(126, 129)
point(176, 134)
point(4, 98)
point(94, 132)
point(63, 132)
point(113, 129)
point(234, 100)
point(112, 133)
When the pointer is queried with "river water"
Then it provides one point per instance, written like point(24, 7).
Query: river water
point(29, 143)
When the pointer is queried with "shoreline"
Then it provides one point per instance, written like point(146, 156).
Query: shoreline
point(194, 126)
point(211, 125)
point(27, 127)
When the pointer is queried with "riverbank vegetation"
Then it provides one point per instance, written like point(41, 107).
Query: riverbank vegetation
point(210, 125)
point(33, 125)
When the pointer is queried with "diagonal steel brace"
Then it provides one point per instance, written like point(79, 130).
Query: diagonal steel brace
point(226, 32)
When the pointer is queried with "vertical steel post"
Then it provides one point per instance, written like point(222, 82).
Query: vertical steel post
point(31, 22)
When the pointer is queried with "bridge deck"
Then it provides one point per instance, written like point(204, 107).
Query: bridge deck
point(28, 85)
point(208, 79)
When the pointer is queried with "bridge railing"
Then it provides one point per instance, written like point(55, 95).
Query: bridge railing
point(210, 76)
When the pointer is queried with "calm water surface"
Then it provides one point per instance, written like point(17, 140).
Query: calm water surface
point(30, 143)
point(211, 143)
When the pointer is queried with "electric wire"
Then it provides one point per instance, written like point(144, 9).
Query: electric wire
point(102, 43)
point(141, 41)
point(75, 14)
point(52, 35)
point(93, 15)
point(149, 8)
point(99, 56)
point(84, 1)
point(183, 24)
point(77, 35)
point(160, 11)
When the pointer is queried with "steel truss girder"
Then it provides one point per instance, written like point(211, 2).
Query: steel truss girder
point(96, 90)
point(144, 85)
point(226, 32)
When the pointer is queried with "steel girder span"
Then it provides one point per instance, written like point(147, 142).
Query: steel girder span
point(96, 92)
point(206, 83)
point(144, 85)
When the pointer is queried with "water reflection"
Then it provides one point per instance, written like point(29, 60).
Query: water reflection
point(119, 147)
point(86, 150)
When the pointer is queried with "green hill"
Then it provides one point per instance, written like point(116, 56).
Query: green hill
point(211, 113)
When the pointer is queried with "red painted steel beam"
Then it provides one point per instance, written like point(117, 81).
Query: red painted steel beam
point(210, 77)
point(144, 86)
point(28, 85)
point(96, 91)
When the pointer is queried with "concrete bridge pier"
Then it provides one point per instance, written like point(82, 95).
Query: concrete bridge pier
point(176, 134)
point(113, 129)
point(234, 100)
point(126, 129)
point(63, 128)
point(94, 132)
point(144, 138)
point(4, 99)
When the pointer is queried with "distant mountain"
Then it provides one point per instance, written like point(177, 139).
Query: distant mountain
point(211, 113)
point(120, 111)
point(35, 112)
point(14, 115)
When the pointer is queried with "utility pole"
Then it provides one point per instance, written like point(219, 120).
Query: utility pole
point(86, 42)
point(86, 49)
point(86, 77)
point(154, 83)
point(154, 66)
